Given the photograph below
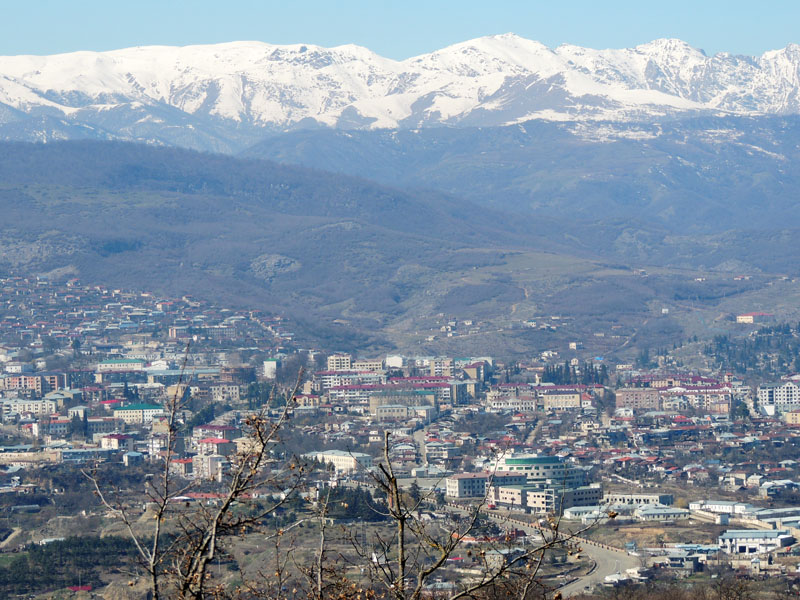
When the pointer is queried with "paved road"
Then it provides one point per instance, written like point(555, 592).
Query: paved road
point(419, 439)
point(607, 562)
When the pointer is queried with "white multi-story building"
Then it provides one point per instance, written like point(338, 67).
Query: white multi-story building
point(556, 499)
point(466, 485)
point(394, 361)
point(343, 462)
point(325, 380)
point(137, 414)
point(713, 399)
point(544, 499)
point(560, 400)
point(543, 470)
point(475, 485)
point(270, 368)
point(497, 401)
point(780, 397)
point(340, 362)
point(123, 364)
point(35, 407)
point(551, 485)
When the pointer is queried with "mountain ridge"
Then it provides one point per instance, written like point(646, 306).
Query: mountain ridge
point(347, 258)
point(224, 97)
point(698, 176)
point(354, 263)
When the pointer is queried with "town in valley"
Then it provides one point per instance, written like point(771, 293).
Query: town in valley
point(680, 464)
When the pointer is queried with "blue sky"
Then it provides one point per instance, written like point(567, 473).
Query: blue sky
point(397, 29)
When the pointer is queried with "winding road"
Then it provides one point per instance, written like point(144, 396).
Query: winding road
point(607, 561)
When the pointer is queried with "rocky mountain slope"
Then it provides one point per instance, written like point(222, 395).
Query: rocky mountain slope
point(689, 176)
point(224, 97)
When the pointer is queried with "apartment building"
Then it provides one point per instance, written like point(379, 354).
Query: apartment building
point(783, 397)
point(39, 383)
point(138, 414)
point(639, 398)
point(326, 380)
point(374, 365)
point(343, 462)
point(35, 407)
point(226, 392)
point(441, 367)
point(340, 362)
point(475, 485)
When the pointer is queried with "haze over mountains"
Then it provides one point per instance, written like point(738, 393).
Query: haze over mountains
point(316, 246)
point(688, 177)
point(224, 97)
point(507, 179)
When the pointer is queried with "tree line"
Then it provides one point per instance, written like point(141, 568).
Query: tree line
point(566, 374)
point(63, 563)
point(769, 351)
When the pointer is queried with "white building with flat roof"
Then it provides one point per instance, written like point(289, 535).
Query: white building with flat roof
point(638, 499)
point(655, 512)
point(343, 462)
point(754, 541)
point(783, 397)
point(270, 368)
point(475, 485)
point(340, 362)
point(722, 507)
point(35, 407)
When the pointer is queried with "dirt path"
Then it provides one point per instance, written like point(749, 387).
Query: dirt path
point(10, 538)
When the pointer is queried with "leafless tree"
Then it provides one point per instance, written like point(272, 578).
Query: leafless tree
point(184, 538)
point(406, 562)
point(179, 541)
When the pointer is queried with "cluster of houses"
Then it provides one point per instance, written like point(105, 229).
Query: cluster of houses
point(88, 371)
point(682, 392)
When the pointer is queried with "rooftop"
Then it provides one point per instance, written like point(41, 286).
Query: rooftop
point(753, 534)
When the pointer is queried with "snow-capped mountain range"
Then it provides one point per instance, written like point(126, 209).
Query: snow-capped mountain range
point(225, 95)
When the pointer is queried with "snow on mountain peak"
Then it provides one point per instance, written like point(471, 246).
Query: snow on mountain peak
point(489, 80)
point(671, 46)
